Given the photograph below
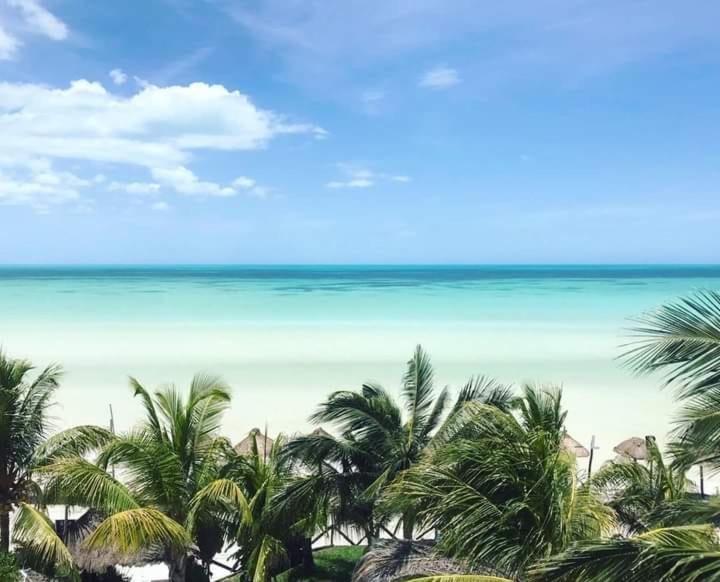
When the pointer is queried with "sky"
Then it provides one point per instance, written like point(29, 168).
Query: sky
point(374, 131)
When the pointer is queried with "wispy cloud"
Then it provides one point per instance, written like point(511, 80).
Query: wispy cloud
point(361, 177)
point(27, 17)
point(118, 76)
point(545, 39)
point(160, 206)
point(40, 20)
point(439, 78)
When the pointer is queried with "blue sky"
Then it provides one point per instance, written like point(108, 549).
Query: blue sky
point(382, 131)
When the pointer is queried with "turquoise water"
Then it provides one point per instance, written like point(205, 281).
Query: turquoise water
point(284, 337)
point(228, 295)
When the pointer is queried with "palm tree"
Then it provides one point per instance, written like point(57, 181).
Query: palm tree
point(243, 500)
point(503, 493)
point(638, 492)
point(682, 340)
point(171, 456)
point(24, 423)
point(379, 441)
point(688, 553)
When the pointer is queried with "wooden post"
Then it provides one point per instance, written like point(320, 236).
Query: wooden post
point(592, 454)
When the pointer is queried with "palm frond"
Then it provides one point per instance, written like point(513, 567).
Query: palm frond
point(76, 441)
point(683, 340)
point(76, 481)
point(223, 495)
point(132, 531)
point(462, 578)
point(35, 533)
point(418, 388)
point(667, 554)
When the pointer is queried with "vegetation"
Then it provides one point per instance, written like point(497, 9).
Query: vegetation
point(9, 571)
point(502, 493)
point(377, 443)
point(331, 565)
point(486, 473)
point(24, 406)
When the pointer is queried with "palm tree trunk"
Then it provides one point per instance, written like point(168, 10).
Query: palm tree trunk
point(4, 530)
point(408, 526)
point(176, 568)
point(408, 523)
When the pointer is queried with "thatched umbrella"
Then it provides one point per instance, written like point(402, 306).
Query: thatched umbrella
point(570, 445)
point(634, 448)
point(255, 438)
point(393, 561)
point(319, 431)
point(99, 561)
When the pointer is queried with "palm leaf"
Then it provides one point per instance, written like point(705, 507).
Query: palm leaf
point(462, 578)
point(34, 531)
point(79, 482)
point(417, 389)
point(683, 338)
point(132, 531)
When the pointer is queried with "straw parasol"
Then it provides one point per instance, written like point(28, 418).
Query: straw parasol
point(634, 448)
point(255, 438)
point(393, 561)
point(319, 431)
point(570, 445)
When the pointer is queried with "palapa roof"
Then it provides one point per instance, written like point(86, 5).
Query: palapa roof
point(263, 443)
point(399, 560)
point(570, 445)
point(634, 448)
point(98, 561)
point(319, 431)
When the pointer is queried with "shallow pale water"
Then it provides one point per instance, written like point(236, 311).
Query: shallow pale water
point(284, 337)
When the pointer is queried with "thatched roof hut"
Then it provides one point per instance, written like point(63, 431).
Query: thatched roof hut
point(263, 443)
point(98, 561)
point(395, 561)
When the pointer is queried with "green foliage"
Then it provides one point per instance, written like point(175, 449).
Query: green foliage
point(682, 340)
point(9, 571)
point(680, 554)
point(642, 493)
point(243, 501)
point(164, 463)
point(502, 493)
point(25, 402)
point(379, 440)
point(331, 565)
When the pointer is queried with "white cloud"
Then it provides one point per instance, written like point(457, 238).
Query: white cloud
point(118, 76)
point(160, 206)
point(439, 78)
point(157, 128)
point(359, 177)
point(353, 183)
point(40, 186)
point(135, 187)
point(40, 20)
point(184, 181)
point(243, 183)
point(8, 45)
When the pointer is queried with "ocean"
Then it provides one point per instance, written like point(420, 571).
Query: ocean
point(284, 337)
